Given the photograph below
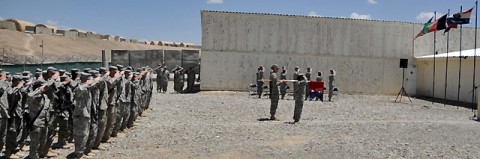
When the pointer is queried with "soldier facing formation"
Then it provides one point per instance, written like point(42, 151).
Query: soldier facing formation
point(84, 108)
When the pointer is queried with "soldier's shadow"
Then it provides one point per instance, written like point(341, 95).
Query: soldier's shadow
point(264, 119)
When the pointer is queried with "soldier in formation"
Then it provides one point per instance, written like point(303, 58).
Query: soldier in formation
point(83, 109)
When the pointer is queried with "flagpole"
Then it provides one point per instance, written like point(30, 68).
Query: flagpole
point(434, 59)
point(460, 63)
point(446, 64)
point(475, 57)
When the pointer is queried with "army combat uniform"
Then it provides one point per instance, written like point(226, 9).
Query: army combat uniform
point(3, 112)
point(274, 95)
point(299, 94)
point(283, 85)
point(259, 83)
point(82, 116)
point(102, 111)
point(308, 76)
point(38, 103)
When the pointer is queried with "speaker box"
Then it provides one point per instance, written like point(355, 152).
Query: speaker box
point(403, 63)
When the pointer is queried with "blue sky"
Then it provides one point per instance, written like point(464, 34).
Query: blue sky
point(179, 20)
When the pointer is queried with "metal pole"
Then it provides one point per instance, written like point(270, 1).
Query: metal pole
point(434, 60)
point(475, 56)
point(460, 63)
point(446, 64)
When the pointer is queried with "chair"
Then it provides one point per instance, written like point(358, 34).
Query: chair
point(252, 91)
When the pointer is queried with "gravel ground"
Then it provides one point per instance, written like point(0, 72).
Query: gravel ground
point(230, 125)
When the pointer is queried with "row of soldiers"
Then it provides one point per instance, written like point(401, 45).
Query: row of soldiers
point(84, 107)
point(283, 85)
point(163, 76)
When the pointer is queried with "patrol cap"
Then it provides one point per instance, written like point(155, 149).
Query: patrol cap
point(18, 73)
point(61, 71)
point(128, 71)
point(112, 68)
point(25, 77)
point(39, 82)
point(68, 73)
point(7, 73)
point(26, 72)
point(274, 66)
point(86, 70)
point(102, 69)
point(119, 66)
point(93, 72)
point(129, 68)
point(16, 78)
point(38, 70)
point(84, 74)
point(51, 68)
point(136, 73)
point(74, 70)
point(296, 67)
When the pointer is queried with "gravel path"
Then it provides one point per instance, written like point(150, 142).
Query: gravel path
point(226, 125)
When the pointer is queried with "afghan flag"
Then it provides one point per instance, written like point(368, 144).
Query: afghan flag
point(459, 18)
point(439, 24)
point(425, 29)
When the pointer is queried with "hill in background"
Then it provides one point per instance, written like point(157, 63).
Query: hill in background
point(17, 48)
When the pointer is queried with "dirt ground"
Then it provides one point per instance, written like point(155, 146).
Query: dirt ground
point(231, 125)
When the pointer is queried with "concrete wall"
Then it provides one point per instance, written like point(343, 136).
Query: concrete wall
point(94, 36)
point(7, 25)
point(364, 53)
point(425, 78)
point(82, 35)
point(139, 58)
point(71, 34)
point(43, 30)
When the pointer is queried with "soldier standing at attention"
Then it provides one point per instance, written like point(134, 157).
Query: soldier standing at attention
point(308, 77)
point(102, 111)
point(38, 103)
point(319, 79)
point(112, 79)
point(164, 80)
point(82, 114)
point(274, 94)
point(4, 115)
point(299, 94)
point(16, 115)
point(283, 85)
point(159, 70)
point(295, 76)
point(331, 84)
point(260, 82)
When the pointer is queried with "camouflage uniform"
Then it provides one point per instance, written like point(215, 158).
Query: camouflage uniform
point(283, 85)
point(38, 108)
point(274, 94)
point(82, 116)
point(15, 121)
point(331, 85)
point(3, 112)
point(111, 106)
point(299, 94)
point(123, 101)
point(164, 80)
point(308, 76)
point(135, 103)
point(259, 84)
point(102, 111)
point(95, 99)
point(295, 77)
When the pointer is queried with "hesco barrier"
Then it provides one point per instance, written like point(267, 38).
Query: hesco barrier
point(66, 66)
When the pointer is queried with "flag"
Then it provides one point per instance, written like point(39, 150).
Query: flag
point(439, 24)
point(459, 18)
point(425, 29)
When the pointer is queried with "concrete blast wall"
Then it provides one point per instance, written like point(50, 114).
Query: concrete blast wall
point(364, 53)
point(43, 30)
point(7, 25)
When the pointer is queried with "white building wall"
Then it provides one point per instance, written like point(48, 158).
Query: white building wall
point(425, 78)
point(364, 53)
